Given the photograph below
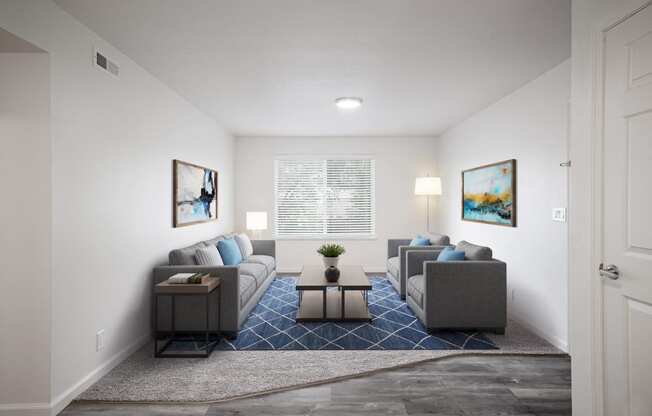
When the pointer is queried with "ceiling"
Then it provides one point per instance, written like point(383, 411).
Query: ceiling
point(273, 68)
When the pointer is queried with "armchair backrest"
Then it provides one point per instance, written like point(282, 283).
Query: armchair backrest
point(439, 240)
point(474, 251)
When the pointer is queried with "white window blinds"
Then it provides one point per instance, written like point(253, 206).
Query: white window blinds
point(325, 198)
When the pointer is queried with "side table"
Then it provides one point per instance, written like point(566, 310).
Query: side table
point(203, 289)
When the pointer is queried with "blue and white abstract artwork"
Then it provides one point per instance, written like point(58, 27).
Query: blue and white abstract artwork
point(195, 194)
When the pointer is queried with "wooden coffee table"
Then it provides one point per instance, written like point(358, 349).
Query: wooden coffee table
point(318, 304)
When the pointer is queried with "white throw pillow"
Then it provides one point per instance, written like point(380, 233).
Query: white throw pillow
point(208, 256)
point(246, 248)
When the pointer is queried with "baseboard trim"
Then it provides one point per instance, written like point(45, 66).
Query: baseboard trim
point(555, 341)
point(25, 409)
point(65, 398)
point(289, 270)
point(374, 270)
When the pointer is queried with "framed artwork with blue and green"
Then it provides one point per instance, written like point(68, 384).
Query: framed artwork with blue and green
point(194, 194)
point(489, 194)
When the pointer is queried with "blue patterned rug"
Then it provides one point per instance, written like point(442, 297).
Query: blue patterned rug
point(271, 326)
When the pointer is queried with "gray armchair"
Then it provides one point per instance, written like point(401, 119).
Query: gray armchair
point(396, 250)
point(460, 295)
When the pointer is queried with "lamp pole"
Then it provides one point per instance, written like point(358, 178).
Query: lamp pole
point(428, 214)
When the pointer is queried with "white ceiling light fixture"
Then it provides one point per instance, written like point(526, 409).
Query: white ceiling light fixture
point(348, 103)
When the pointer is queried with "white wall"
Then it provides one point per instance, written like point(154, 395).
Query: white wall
point(113, 141)
point(25, 221)
point(530, 125)
point(399, 213)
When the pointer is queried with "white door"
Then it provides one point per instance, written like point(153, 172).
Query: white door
point(627, 217)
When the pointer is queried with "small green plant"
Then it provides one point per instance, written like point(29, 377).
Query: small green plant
point(331, 250)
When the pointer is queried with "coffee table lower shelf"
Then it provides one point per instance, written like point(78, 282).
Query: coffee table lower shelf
point(312, 304)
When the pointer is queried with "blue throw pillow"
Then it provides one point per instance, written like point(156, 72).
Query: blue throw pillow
point(420, 241)
point(449, 254)
point(230, 252)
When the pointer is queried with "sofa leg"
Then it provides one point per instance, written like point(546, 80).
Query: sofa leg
point(499, 331)
point(230, 335)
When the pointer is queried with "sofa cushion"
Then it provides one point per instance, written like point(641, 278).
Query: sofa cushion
point(213, 241)
point(439, 240)
point(393, 266)
point(184, 256)
point(208, 256)
point(415, 289)
point(256, 270)
point(449, 254)
point(229, 251)
point(244, 243)
point(474, 251)
point(267, 261)
point(247, 289)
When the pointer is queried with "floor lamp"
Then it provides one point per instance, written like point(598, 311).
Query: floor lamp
point(427, 186)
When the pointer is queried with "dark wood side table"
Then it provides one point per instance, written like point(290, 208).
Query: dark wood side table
point(205, 288)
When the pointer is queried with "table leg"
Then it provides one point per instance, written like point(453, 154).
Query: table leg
point(343, 303)
point(324, 296)
point(208, 327)
point(219, 310)
point(155, 325)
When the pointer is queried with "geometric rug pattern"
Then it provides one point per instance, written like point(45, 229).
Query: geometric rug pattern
point(271, 326)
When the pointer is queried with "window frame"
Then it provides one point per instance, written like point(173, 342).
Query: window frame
point(325, 236)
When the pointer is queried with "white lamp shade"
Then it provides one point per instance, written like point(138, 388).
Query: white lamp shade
point(257, 220)
point(427, 185)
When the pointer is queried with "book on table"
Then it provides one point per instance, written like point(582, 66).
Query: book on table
point(187, 278)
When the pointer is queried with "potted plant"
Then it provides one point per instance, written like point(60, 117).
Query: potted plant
point(331, 254)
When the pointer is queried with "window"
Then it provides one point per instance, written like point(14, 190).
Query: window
point(325, 198)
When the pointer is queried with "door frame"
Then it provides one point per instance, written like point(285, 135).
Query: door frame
point(598, 45)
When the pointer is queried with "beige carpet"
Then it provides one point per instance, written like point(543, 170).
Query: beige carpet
point(230, 374)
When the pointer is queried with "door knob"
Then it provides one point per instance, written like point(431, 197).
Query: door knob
point(611, 271)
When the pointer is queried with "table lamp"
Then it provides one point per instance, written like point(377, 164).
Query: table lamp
point(256, 222)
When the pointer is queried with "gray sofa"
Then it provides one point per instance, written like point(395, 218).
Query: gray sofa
point(241, 288)
point(396, 250)
point(461, 295)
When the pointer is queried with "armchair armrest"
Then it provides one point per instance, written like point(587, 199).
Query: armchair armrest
point(469, 269)
point(403, 259)
point(264, 247)
point(230, 286)
point(393, 244)
point(416, 258)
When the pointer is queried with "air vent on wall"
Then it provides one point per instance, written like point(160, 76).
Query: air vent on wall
point(102, 62)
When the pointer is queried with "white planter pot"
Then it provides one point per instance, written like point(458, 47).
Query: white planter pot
point(330, 261)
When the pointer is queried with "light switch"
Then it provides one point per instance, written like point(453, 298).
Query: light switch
point(559, 214)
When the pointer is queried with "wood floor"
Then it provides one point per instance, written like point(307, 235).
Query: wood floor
point(469, 385)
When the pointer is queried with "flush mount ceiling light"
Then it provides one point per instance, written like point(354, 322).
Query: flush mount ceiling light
point(348, 103)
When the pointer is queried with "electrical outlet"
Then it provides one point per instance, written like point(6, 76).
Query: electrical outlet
point(559, 214)
point(99, 340)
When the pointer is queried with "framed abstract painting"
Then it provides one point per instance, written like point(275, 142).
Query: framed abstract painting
point(489, 194)
point(194, 194)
